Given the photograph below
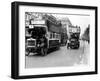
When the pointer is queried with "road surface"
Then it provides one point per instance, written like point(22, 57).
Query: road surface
point(61, 57)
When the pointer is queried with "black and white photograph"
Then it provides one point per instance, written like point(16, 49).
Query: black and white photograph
point(56, 40)
point(51, 40)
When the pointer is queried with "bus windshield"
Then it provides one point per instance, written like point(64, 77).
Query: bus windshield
point(38, 32)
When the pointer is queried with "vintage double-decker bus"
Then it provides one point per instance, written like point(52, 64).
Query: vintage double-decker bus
point(74, 36)
point(45, 34)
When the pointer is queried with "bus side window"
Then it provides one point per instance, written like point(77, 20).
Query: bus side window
point(50, 35)
point(58, 36)
point(53, 35)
